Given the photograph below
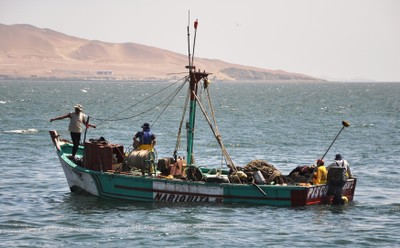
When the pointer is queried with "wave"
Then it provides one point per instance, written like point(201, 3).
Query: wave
point(23, 131)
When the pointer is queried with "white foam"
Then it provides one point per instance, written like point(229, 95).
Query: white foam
point(23, 131)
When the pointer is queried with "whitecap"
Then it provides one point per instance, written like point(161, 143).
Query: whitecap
point(23, 131)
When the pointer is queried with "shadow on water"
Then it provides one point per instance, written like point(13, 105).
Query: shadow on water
point(85, 202)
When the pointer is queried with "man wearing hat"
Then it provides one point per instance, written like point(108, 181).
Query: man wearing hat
point(340, 162)
point(338, 172)
point(77, 118)
point(145, 139)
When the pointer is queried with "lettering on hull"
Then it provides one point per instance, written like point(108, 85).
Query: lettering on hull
point(348, 185)
point(317, 192)
point(169, 192)
point(322, 191)
point(165, 197)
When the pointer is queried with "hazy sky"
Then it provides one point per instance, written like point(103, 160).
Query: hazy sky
point(337, 39)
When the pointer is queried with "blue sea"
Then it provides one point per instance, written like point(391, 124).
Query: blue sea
point(286, 124)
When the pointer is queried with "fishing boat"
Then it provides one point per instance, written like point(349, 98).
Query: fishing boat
point(110, 171)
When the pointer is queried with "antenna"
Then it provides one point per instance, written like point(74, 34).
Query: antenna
point(194, 40)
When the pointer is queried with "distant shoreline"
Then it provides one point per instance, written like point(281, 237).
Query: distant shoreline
point(159, 80)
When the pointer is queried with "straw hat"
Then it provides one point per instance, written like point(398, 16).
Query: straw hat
point(79, 106)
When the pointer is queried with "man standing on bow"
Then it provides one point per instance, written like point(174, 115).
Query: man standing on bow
point(77, 118)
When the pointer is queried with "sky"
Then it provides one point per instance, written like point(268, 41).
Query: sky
point(339, 40)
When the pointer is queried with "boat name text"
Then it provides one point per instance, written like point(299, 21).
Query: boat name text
point(317, 192)
point(164, 197)
point(322, 191)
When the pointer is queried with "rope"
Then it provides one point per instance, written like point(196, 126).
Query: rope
point(178, 139)
point(172, 98)
point(211, 106)
point(212, 109)
point(216, 134)
point(111, 118)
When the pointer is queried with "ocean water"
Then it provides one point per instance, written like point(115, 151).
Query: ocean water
point(287, 124)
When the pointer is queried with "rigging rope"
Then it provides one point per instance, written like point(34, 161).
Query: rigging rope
point(216, 134)
point(212, 109)
point(137, 103)
point(211, 106)
point(178, 138)
point(172, 98)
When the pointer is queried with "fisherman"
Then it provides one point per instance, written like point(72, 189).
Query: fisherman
point(340, 162)
point(145, 139)
point(338, 173)
point(77, 118)
point(320, 174)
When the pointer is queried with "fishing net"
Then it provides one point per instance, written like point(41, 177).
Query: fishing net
point(268, 171)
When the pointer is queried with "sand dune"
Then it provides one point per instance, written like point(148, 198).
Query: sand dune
point(28, 51)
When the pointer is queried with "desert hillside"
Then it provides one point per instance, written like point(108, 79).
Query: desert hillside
point(28, 51)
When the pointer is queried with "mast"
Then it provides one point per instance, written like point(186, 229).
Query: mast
point(195, 78)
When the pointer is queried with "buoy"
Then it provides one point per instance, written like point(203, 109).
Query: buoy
point(345, 200)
